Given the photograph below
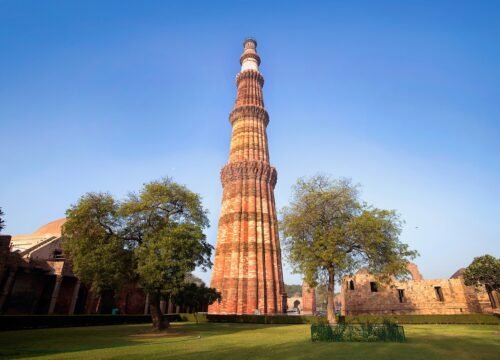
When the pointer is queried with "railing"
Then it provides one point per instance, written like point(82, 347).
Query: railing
point(362, 332)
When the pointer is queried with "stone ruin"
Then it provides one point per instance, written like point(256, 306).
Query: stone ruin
point(362, 294)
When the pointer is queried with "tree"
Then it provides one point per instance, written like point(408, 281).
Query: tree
point(165, 223)
point(329, 233)
point(93, 243)
point(196, 296)
point(2, 222)
point(155, 236)
point(483, 271)
point(321, 297)
point(293, 290)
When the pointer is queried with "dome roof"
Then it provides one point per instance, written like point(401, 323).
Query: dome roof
point(52, 228)
point(458, 273)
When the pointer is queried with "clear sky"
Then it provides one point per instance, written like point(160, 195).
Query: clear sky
point(401, 96)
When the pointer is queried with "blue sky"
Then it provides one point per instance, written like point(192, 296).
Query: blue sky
point(402, 97)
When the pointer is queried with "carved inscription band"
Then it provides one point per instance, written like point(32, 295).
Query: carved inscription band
point(247, 111)
point(248, 170)
point(250, 74)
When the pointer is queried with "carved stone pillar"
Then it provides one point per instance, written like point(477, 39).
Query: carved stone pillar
point(170, 306)
point(74, 298)
point(146, 305)
point(55, 294)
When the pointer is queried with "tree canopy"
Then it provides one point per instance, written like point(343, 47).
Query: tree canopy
point(328, 232)
point(93, 243)
point(195, 296)
point(155, 236)
point(292, 290)
point(484, 270)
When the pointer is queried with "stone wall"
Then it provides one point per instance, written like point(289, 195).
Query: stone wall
point(294, 302)
point(361, 294)
point(26, 292)
point(308, 300)
point(131, 300)
point(4, 254)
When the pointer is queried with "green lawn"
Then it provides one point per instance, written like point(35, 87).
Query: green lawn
point(245, 341)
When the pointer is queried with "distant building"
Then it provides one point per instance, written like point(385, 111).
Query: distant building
point(362, 294)
point(36, 278)
point(303, 303)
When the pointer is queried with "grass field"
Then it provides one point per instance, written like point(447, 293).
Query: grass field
point(245, 341)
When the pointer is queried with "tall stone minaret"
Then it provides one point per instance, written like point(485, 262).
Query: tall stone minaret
point(247, 268)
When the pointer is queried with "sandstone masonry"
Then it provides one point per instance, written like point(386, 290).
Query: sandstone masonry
point(247, 269)
point(361, 294)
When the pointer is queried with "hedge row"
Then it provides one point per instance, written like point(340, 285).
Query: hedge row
point(265, 319)
point(19, 322)
point(485, 319)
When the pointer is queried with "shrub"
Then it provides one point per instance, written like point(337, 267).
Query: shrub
point(265, 319)
point(366, 332)
point(486, 319)
point(202, 317)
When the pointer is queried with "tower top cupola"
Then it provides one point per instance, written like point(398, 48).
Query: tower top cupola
point(249, 60)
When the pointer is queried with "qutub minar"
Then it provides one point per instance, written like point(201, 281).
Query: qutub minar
point(247, 269)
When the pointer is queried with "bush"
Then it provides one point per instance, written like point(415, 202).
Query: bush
point(265, 319)
point(486, 319)
point(366, 332)
point(202, 317)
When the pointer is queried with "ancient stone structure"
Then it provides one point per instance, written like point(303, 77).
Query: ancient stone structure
point(303, 302)
point(47, 231)
point(308, 300)
point(36, 278)
point(361, 294)
point(294, 304)
point(247, 267)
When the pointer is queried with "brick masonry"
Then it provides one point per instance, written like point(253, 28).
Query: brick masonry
point(415, 296)
point(247, 269)
point(308, 300)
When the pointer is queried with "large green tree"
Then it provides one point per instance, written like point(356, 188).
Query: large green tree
point(164, 224)
point(159, 232)
point(484, 270)
point(93, 242)
point(328, 233)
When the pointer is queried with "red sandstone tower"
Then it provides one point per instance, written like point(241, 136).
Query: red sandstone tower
point(247, 268)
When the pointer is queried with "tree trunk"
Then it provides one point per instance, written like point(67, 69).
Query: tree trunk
point(330, 305)
point(98, 304)
point(159, 322)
